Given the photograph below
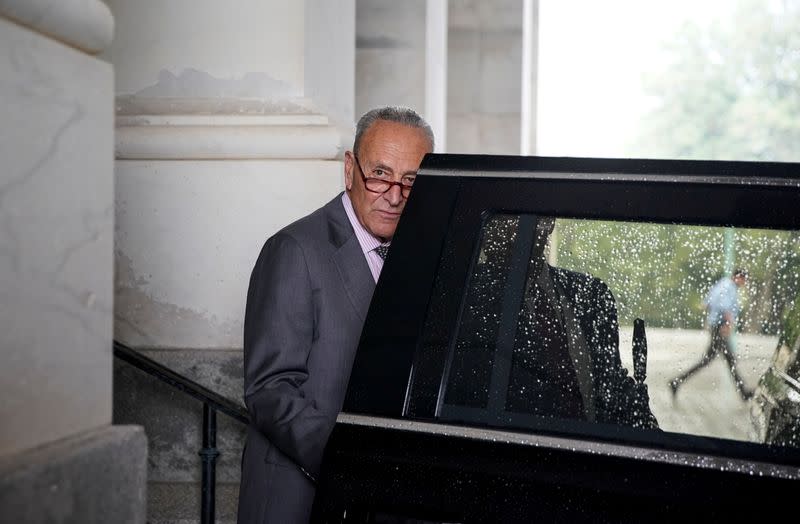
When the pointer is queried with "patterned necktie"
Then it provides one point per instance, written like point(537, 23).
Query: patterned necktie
point(382, 250)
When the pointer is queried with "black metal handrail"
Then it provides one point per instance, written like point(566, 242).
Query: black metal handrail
point(212, 402)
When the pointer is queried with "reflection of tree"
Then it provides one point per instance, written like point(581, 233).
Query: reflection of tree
point(790, 327)
point(759, 316)
point(774, 265)
point(730, 91)
point(662, 272)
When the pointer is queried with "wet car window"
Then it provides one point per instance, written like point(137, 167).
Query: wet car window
point(662, 327)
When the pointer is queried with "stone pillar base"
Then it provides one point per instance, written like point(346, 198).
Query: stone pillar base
point(98, 476)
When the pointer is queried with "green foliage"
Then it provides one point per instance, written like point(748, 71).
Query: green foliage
point(729, 91)
point(662, 272)
point(791, 324)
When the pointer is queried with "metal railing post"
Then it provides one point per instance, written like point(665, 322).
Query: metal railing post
point(208, 456)
point(212, 402)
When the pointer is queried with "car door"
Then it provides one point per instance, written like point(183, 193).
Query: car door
point(516, 359)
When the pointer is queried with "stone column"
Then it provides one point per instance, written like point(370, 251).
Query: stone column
point(60, 458)
point(484, 99)
point(390, 54)
point(436, 70)
point(530, 79)
point(401, 58)
point(231, 122)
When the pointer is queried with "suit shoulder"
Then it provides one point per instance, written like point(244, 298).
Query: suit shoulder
point(306, 228)
point(310, 229)
point(582, 283)
point(304, 239)
point(574, 278)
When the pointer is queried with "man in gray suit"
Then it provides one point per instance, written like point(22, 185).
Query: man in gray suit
point(309, 294)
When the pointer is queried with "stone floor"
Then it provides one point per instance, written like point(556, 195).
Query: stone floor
point(707, 403)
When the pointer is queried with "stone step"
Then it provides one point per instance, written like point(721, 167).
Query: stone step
point(179, 503)
point(94, 476)
point(173, 424)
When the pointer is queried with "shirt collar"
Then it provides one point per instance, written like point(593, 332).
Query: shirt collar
point(366, 240)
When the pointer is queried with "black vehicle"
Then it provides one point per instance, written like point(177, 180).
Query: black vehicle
point(776, 403)
point(515, 360)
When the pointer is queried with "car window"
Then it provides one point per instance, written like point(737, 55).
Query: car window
point(595, 300)
point(554, 308)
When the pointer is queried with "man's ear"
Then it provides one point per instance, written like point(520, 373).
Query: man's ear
point(349, 165)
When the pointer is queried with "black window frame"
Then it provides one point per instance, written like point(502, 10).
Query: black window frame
point(398, 370)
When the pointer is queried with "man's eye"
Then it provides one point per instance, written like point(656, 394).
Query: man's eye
point(379, 172)
point(408, 180)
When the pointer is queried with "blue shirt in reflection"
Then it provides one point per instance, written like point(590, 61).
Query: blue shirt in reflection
point(722, 297)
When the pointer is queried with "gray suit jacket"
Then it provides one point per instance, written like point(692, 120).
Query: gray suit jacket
point(309, 294)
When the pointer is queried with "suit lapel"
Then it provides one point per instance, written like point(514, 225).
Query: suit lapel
point(356, 276)
point(349, 258)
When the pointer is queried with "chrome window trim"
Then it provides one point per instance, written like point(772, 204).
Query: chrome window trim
point(580, 446)
point(620, 177)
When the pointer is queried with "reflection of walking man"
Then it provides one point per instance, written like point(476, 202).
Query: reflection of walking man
point(722, 303)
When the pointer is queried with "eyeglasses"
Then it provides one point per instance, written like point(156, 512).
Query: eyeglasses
point(379, 185)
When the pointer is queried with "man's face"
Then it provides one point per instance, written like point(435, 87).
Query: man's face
point(389, 151)
point(739, 280)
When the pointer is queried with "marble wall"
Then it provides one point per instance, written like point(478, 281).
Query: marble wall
point(223, 40)
point(56, 235)
point(188, 234)
point(330, 60)
point(61, 459)
point(390, 54)
point(231, 121)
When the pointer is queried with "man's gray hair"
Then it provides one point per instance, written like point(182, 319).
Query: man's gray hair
point(401, 115)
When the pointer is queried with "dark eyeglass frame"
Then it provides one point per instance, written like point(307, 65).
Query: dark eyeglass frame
point(405, 189)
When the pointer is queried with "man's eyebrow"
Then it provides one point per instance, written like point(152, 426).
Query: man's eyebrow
point(384, 167)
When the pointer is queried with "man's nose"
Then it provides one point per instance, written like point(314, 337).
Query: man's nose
point(394, 195)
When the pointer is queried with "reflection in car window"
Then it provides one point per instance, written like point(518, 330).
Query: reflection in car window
point(776, 404)
point(546, 329)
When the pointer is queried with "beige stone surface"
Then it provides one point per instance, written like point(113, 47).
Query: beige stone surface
point(484, 68)
point(56, 234)
point(390, 54)
point(188, 234)
point(155, 38)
